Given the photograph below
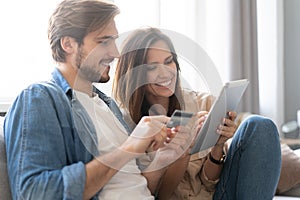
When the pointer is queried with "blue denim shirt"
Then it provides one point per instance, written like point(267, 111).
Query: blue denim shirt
point(45, 154)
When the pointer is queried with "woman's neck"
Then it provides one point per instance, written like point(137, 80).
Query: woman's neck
point(158, 105)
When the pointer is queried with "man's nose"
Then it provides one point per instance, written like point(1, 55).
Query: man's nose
point(113, 51)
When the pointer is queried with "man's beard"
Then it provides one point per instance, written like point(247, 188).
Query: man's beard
point(88, 73)
point(87, 68)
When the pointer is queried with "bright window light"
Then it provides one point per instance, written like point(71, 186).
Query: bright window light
point(26, 55)
point(25, 52)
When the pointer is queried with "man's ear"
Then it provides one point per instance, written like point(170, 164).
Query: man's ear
point(68, 44)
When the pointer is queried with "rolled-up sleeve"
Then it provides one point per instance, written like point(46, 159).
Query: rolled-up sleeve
point(208, 184)
point(73, 178)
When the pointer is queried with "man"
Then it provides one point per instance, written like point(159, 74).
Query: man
point(65, 139)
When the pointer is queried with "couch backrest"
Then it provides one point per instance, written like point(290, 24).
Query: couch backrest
point(4, 185)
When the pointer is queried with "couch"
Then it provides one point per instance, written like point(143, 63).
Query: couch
point(6, 195)
point(4, 186)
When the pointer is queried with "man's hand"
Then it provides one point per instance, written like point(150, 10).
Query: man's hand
point(150, 132)
point(179, 146)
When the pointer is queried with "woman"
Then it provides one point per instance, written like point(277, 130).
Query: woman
point(147, 83)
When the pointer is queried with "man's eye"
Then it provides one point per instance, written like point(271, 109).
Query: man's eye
point(104, 42)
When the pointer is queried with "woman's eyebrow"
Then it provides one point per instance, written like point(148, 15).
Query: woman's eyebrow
point(167, 58)
point(152, 63)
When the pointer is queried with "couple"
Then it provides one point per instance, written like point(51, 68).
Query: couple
point(65, 139)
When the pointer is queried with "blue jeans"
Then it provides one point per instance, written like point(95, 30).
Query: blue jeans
point(252, 167)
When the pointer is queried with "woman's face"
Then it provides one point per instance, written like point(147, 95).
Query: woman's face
point(161, 71)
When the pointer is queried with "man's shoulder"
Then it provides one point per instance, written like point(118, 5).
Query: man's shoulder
point(43, 84)
point(46, 87)
point(45, 91)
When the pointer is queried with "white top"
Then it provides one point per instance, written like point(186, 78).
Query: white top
point(128, 183)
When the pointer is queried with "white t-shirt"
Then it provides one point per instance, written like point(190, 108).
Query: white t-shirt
point(127, 183)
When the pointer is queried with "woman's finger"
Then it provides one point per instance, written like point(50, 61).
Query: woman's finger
point(232, 115)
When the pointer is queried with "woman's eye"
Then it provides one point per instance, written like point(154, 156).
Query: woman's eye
point(169, 61)
point(151, 67)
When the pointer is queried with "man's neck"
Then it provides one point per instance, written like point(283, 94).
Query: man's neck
point(75, 81)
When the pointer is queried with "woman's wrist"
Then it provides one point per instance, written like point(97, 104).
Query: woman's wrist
point(217, 161)
point(217, 152)
point(219, 145)
point(218, 148)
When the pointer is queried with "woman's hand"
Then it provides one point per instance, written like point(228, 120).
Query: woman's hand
point(172, 151)
point(202, 115)
point(227, 128)
point(184, 140)
point(200, 118)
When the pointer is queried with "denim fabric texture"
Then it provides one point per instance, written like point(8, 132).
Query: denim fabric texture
point(44, 148)
point(254, 140)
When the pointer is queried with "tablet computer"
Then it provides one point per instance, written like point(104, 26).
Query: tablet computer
point(228, 100)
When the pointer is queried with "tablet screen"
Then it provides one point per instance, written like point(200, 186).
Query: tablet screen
point(227, 100)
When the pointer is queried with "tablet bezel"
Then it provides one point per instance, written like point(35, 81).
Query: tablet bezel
point(232, 91)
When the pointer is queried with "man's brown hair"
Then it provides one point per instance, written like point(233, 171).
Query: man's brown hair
point(77, 18)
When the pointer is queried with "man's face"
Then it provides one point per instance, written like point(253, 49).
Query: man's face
point(96, 53)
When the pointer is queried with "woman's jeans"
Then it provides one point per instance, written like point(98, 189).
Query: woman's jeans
point(252, 167)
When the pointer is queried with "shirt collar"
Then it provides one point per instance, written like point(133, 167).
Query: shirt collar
point(58, 79)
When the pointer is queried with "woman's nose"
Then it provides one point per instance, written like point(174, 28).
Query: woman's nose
point(164, 70)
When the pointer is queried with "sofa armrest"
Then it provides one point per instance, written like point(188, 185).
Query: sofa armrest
point(4, 184)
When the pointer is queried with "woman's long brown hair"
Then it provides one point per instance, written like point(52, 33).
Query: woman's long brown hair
point(131, 74)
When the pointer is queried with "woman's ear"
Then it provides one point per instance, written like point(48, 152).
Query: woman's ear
point(68, 44)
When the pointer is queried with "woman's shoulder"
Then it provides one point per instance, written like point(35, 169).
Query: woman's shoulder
point(197, 101)
point(196, 94)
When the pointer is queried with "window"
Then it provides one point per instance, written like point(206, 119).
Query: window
point(183, 20)
point(25, 53)
point(26, 56)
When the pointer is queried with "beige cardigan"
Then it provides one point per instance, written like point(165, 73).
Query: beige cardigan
point(194, 185)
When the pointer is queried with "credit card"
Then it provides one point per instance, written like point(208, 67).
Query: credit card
point(179, 118)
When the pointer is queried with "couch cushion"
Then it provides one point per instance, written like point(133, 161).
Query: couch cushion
point(290, 170)
point(295, 191)
point(4, 185)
